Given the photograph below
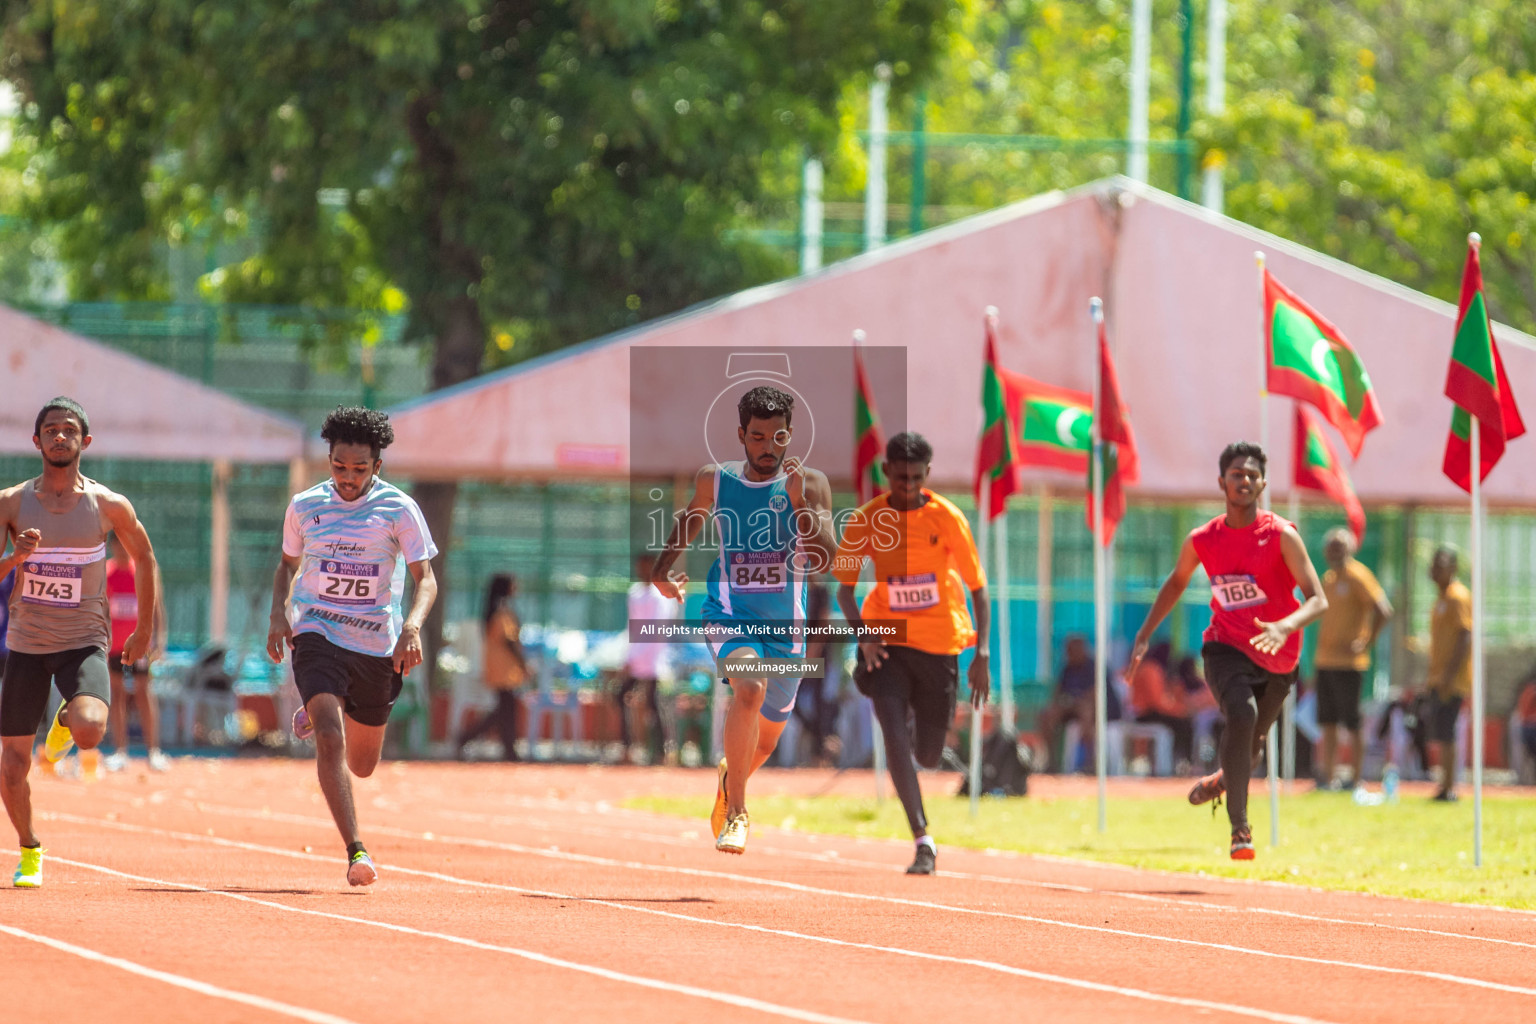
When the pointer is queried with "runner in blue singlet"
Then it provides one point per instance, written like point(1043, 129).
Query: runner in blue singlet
point(773, 520)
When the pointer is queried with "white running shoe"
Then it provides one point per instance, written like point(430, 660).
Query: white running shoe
point(115, 761)
point(158, 762)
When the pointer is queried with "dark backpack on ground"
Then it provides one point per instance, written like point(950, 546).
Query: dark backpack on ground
point(1004, 771)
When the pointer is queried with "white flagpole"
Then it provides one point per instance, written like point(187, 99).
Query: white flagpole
point(877, 737)
point(1004, 632)
point(1477, 649)
point(1272, 740)
point(981, 550)
point(1475, 239)
point(1288, 760)
point(1100, 587)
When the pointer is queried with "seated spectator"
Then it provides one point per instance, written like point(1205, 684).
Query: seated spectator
point(1154, 700)
point(1202, 710)
point(1525, 711)
point(1073, 701)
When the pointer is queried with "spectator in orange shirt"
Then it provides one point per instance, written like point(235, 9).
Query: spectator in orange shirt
point(1153, 700)
point(1357, 610)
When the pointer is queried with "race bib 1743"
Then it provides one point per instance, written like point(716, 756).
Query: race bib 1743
point(353, 584)
point(52, 584)
point(1237, 591)
point(759, 572)
point(912, 593)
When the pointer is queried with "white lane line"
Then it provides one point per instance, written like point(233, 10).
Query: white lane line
point(191, 984)
point(1079, 983)
point(742, 1002)
point(817, 891)
point(835, 858)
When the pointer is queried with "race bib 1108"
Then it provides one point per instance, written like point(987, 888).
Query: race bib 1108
point(1237, 591)
point(52, 584)
point(912, 593)
point(352, 584)
point(759, 572)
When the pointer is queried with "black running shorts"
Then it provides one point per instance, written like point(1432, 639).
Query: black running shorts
point(1338, 697)
point(1226, 667)
point(367, 685)
point(24, 694)
point(1443, 712)
point(927, 683)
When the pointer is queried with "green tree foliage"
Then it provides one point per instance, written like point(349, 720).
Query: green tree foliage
point(1382, 131)
point(562, 166)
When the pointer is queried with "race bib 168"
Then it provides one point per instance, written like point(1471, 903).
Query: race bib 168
point(1237, 591)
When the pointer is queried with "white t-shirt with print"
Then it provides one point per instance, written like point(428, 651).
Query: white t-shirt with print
point(353, 555)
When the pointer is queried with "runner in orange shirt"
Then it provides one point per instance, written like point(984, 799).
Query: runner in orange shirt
point(924, 560)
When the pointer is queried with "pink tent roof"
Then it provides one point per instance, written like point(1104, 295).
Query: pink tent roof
point(1182, 303)
point(137, 410)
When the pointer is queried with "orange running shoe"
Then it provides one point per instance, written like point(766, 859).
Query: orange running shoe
point(717, 815)
point(1242, 843)
point(1208, 788)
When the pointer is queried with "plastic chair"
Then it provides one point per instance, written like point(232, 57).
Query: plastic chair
point(1115, 736)
point(467, 692)
point(563, 710)
point(207, 686)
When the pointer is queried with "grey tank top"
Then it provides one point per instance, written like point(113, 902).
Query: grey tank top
point(59, 602)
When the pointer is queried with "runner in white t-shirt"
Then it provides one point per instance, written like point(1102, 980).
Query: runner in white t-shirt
point(336, 600)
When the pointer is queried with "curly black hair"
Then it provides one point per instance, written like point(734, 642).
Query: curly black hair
point(1243, 450)
point(355, 425)
point(764, 403)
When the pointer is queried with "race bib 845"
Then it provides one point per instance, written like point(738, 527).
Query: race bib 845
point(759, 572)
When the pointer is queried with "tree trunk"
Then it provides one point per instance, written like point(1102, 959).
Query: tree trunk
point(459, 352)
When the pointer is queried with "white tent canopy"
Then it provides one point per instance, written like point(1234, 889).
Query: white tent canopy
point(137, 410)
point(1182, 301)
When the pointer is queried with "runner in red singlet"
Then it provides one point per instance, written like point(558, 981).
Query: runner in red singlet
point(1255, 561)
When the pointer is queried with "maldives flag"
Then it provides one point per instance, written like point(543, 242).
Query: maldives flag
point(1308, 359)
point(997, 453)
point(1476, 382)
point(1316, 466)
point(868, 439)
point(1121, 465)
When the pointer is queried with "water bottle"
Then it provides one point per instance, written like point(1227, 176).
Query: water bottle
point(1389, 784)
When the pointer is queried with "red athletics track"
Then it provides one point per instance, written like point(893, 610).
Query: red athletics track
point(216, 893)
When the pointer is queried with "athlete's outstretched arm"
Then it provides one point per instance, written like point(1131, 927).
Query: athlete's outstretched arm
point(1272, 635)
point(686, 527)
point(278, 628)
point(408, 648)
point(146, 572)
point(1167, 597)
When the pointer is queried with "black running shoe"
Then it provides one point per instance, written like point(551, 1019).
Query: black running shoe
point(923, 862)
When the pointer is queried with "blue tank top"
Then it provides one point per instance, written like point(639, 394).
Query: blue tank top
point(758, 575)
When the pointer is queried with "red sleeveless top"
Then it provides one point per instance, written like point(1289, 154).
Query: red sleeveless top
point(122, 605)
point(1249, 580)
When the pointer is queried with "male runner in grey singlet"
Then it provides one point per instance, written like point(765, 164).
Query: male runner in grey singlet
point(60, 629)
